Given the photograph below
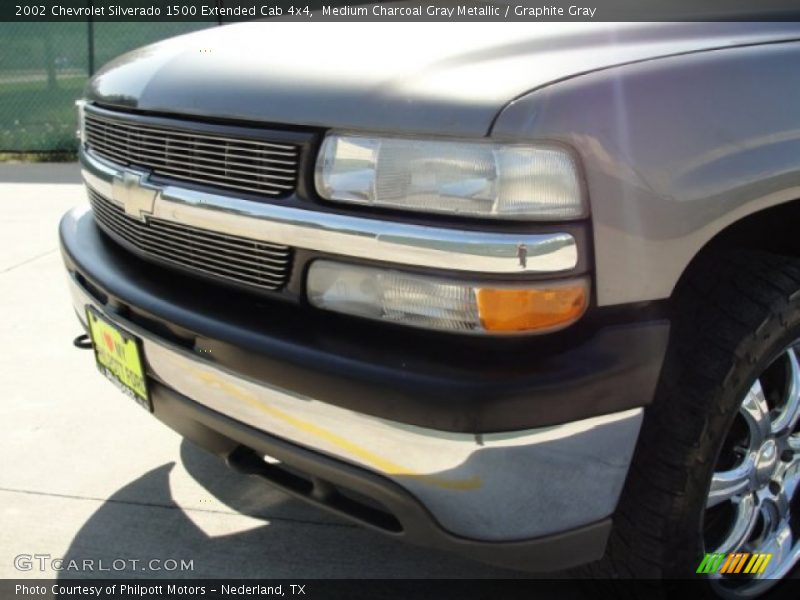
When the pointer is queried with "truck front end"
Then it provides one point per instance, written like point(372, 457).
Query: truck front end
point(353, 290)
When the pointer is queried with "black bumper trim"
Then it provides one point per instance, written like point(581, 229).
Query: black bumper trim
point(439, 381)
point(337, 487)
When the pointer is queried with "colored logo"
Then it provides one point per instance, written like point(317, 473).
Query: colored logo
point(735, 562)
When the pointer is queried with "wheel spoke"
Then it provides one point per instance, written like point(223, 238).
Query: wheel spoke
point(725, 485)
point(787, 418)
point(791, 481)
point(756, 412)
point(743, 525)
point(779, 545)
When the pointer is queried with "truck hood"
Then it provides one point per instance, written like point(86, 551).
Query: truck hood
point(427, 78)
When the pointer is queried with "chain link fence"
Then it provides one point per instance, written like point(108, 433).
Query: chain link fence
point(44, 67)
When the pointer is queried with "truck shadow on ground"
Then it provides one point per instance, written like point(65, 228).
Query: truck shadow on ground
point(284, 539)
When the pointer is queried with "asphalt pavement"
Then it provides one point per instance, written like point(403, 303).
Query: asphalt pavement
point(87, 475)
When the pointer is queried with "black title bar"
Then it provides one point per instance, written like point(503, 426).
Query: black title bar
point(433, 10)
point(362, 589)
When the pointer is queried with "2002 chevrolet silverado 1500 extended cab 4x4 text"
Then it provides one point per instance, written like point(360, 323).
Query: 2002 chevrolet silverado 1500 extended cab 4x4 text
point(531, 295)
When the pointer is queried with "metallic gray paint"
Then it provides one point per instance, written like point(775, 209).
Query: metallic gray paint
point(431, 78)
point(674, 151)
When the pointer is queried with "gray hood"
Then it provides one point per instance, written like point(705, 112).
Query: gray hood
point(431, 78)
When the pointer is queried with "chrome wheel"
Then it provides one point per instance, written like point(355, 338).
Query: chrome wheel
point(752, 504)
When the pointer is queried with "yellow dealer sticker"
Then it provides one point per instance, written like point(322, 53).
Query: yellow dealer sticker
point(119, 357)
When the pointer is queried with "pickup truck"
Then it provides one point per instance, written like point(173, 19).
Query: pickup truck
point(526, 294)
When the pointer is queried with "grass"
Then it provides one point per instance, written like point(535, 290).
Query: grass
point(12, 157)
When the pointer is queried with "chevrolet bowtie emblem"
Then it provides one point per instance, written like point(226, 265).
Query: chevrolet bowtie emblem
point(130, 190)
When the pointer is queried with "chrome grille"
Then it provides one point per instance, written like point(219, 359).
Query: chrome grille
point(244, 261)
point(245, 164)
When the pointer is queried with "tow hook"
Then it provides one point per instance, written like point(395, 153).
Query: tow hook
point(83, 342)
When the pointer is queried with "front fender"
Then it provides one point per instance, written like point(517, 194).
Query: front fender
point(675, 150)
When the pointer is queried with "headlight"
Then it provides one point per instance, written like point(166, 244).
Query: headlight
point(435, 303)
point(476, 179)
point(80, 105)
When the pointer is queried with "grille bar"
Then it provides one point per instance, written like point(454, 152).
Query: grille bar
point(213, 157)
point(262, 167)
point(107, 125)
point(244, 261)
point(146, 154)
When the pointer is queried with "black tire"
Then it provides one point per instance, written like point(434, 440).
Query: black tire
point(732, 314)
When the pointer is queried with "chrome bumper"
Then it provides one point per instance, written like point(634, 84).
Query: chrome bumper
point(399, 243)
point(491, 487)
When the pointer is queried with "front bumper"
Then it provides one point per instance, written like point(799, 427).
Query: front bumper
point(503, 497)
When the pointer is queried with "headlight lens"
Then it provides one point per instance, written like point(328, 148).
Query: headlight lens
point(477, 179)
point(434, 303)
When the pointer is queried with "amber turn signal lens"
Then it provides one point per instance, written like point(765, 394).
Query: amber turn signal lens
point(544, 308)
point(445, 304)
